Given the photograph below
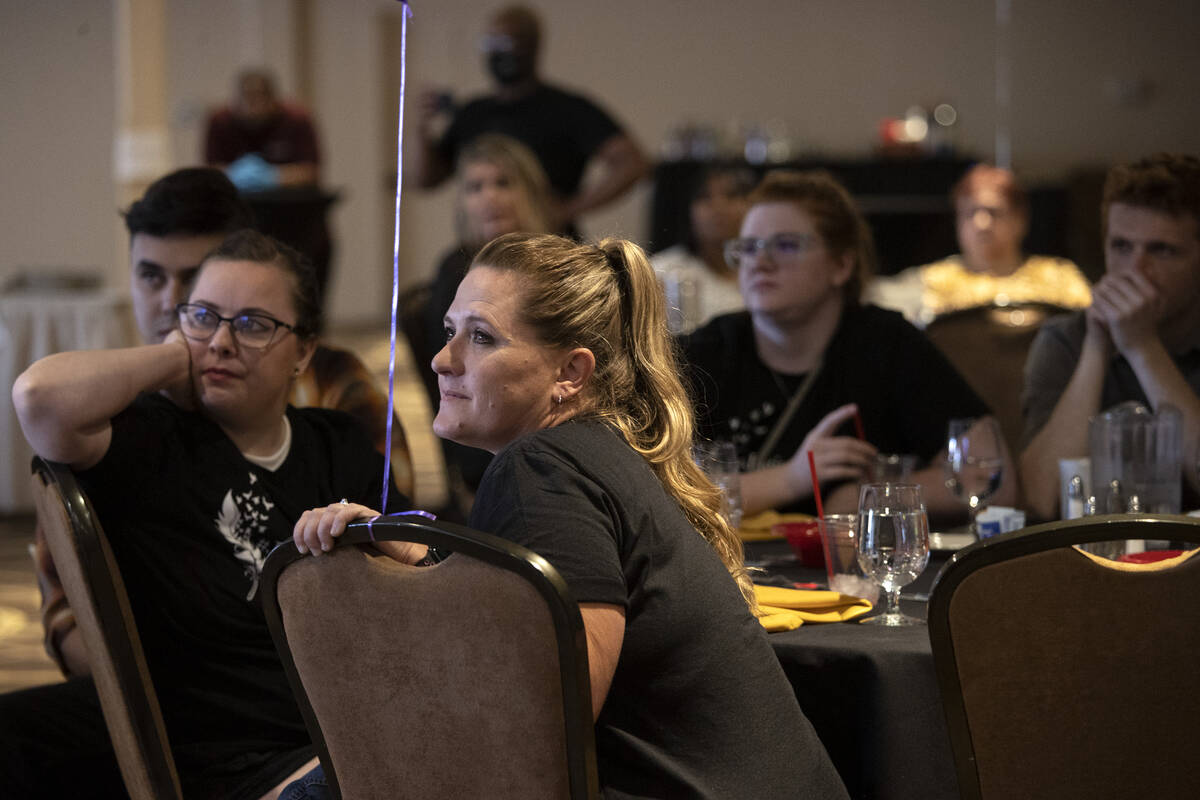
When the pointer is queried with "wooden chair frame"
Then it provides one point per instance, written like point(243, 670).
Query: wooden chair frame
point(127, 695)
point(564, 612)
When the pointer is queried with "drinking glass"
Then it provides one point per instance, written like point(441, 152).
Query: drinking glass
point(893, 543)
point(719, 461)
point(974, 462)
point(893, 467)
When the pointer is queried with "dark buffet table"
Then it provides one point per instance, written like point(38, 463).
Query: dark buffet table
point(870, 693)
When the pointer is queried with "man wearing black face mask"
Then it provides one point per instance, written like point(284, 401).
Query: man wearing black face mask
point(567, 132)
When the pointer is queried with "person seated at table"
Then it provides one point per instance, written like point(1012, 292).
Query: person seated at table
point(501, 189)
point(180, 219)
point(260, 141)
point(558, 360)
point(1138, 340)
point(790, 374)
point(698, 281)
point(991, 212)
point(196, 467)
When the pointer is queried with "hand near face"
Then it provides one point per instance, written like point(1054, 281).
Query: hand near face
point(837, 458)
point(182, 392)
point(430, 103)
point(1128, 306)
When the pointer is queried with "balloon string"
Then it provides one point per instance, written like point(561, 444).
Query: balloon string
point(391, 406)
point(372, 520)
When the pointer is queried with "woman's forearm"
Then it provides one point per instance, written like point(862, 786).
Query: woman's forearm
point(65, 402)
point(767, 488)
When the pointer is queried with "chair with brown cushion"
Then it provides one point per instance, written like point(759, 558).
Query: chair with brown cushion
point(96, 593)
point(468, 678)
point(1064, 675)
point(988, 345)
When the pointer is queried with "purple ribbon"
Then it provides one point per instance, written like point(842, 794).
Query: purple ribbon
point(391, 414)
point(414, 513)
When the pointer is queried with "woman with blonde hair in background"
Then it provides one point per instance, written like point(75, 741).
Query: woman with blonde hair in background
point(501, 189)
point(558, 360)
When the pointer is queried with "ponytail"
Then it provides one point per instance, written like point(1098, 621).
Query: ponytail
point(606, 297)
point(658, 421)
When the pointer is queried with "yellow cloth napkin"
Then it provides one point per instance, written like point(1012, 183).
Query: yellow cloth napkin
point(758, 527)
point(781, 609)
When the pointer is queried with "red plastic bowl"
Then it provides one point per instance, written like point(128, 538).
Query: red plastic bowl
point(805, 539)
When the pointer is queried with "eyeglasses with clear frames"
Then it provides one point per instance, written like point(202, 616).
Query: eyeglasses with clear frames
point(256, 331)
point(783, 248)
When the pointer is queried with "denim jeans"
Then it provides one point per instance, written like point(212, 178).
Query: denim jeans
point(311, 786)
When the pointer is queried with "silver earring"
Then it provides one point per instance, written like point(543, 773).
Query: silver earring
point(559, 399)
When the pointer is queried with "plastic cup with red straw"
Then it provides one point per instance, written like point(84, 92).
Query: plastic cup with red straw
point(816, 485)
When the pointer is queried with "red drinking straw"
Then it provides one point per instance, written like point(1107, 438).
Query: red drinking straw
point(812, 468)
point(858, 427)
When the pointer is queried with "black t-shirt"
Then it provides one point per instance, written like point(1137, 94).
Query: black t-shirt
point(191, 522)
point(699, 706)
point(562, 129)
point(906, 390)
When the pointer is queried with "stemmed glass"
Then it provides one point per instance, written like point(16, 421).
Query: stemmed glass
point(974, 462)
point(893, 543)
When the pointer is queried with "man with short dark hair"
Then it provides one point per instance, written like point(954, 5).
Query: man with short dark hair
point(1140, 338)
point(567, 132)
point(181, 217)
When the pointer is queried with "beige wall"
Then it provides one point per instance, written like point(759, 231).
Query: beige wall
point(827, 69)
point(56, 143)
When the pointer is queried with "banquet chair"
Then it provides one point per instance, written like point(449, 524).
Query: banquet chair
point(93, 586)
point(988, 345)
point(468, 678)
point(1065, 675)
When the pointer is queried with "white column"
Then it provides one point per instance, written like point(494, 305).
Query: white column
point(141, 142)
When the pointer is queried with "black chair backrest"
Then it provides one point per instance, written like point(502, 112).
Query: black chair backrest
point(467, 678)
point(93, 586)
point(1066, 675)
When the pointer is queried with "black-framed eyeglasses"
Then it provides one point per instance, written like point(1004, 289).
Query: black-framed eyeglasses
point(256, 331)
point(782, 247)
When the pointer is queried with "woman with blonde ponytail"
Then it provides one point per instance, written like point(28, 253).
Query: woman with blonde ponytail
point(558, 361)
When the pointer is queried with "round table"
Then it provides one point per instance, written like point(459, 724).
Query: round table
point(870, 692)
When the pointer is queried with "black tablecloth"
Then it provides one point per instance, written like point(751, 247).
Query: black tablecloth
point(871, 694)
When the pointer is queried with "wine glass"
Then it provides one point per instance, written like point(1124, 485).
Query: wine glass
point(893, 542)
point(719, 460)
point(974, 463)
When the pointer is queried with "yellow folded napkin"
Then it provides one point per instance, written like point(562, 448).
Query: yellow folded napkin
point(781, 609)
point(758, 527)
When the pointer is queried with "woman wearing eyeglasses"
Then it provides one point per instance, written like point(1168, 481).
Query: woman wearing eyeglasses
point(197, 467)
point(792, 372)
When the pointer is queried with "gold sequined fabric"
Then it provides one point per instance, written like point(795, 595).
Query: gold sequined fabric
point(947, 285)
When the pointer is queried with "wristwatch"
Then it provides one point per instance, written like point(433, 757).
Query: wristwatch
point(432, 556)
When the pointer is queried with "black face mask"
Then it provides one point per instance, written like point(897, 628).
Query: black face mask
point(507, 67)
